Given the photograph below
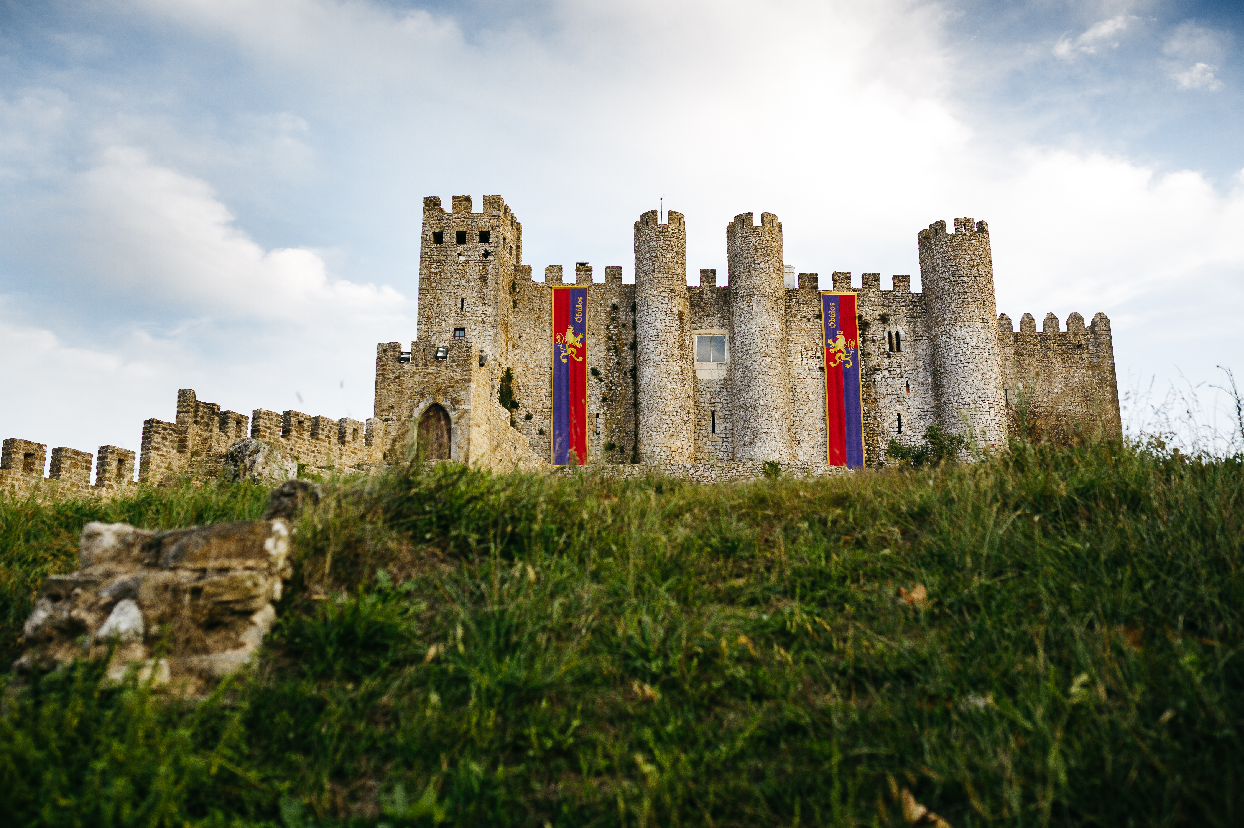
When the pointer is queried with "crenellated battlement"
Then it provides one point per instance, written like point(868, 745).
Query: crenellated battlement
point(1050, 326)
point(196, 443)
point(962, 226)
point(494, 208)
point(22, 462)
point(673, 219)
point(743, 224)
point(1060, 382)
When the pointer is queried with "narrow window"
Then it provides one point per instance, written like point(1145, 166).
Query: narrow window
point(460, 237)
point(900, 423)
point(597, 425)
point(462, 305)
point(898, 341)
point(459, 333)
point(713, 415)
point(485, 236)
point(907, 385)
point(354, 435)
point(889, 335)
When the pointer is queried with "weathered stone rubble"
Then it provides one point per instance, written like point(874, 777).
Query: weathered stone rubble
point(189, 604)
point(259, 460)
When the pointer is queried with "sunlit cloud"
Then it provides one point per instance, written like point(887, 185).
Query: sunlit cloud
point(1102, 34)
point(1200, 76)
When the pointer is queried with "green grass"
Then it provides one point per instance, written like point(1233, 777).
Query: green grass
point(39, 537)
point(575, 651)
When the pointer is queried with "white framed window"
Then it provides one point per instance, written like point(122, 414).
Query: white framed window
point(710, 348)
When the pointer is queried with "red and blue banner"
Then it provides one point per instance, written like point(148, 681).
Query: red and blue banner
point(844, 410)
point(569, 427)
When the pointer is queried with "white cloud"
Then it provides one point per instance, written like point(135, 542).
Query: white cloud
point(246, 326)
point(1200, 76)
point(1104, 33)
point(1193, 41)
point(153, 231)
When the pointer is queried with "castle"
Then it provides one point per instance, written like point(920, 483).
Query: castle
point(708, 382)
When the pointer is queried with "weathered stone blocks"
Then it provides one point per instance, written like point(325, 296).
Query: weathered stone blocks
point(190, 604)
point(260, 460)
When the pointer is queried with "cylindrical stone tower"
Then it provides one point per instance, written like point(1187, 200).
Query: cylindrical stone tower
point(663, 355)
point(759, 374)
point(957, 273)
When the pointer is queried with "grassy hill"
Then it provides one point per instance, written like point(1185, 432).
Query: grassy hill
point(1050, 637)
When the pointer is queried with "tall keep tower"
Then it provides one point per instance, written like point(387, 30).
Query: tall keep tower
point(663, 357)
point(957, 273)
point(759, 376)
point(466, 264)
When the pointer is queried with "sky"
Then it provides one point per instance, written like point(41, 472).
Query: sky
point(226, 195)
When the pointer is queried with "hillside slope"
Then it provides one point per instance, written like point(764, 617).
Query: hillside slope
point(1049, 637)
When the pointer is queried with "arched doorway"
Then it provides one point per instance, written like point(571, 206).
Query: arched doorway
point(434, 433)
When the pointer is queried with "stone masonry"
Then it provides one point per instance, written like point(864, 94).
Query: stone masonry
point(942, 357)
point(22, 461)
point(475, 386)
point(664, 363)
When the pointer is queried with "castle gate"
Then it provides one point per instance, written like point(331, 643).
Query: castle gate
point(434, 433)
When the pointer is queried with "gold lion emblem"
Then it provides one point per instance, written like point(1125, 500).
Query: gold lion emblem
point(839, 352)
point(572, 344)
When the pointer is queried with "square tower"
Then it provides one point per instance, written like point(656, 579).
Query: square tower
point(466, 271)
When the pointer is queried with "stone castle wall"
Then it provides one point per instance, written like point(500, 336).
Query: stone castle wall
point(195, 443)
point(941, 357)
point(1060, 385)
point(931, 358)
point(897, 358)
point(22, 461)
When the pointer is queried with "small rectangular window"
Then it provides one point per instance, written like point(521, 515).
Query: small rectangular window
point(710, 349)
point(438, 237)
point(462, 306)
point(713, 414)
point(460, 237)
point(459, 333)
point(889, 335)
point(900, 423)
point(484, 236)
point(898, 341)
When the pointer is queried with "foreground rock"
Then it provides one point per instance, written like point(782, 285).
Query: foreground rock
point(259, 460)
point(190, 604)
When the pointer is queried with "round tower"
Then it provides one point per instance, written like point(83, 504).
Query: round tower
point(759, 374)
point(663, 348)
point(956, 270)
